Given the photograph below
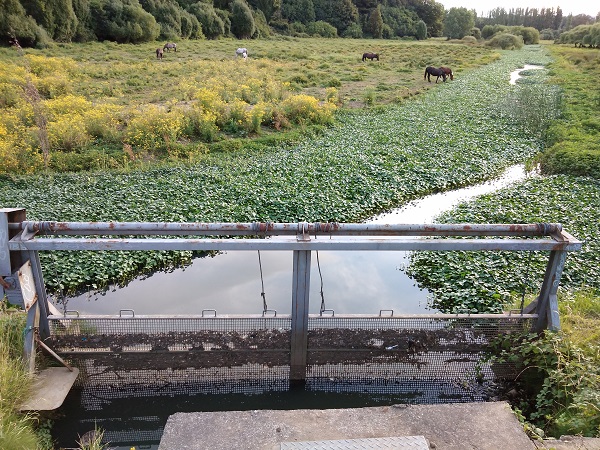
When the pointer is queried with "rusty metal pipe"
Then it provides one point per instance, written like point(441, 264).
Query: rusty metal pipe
point(274, 229)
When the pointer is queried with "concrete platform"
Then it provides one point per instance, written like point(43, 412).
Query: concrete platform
point(481, 426)
point(50, 388)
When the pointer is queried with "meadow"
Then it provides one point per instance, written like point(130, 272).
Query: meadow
point(109, 106)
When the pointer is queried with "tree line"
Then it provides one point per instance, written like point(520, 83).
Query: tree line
point(39, 22)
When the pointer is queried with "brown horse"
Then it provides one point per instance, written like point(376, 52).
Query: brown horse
point(159, 53)
point(370, 56)
point(170, 45)
point(448, 72)
point(435, 72)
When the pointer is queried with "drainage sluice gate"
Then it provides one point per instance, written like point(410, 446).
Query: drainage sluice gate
point(425, 358)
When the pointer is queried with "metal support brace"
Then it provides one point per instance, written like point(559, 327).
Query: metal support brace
point(36, 268)
point(300, 302)
point(33, 317)
point(547, 303)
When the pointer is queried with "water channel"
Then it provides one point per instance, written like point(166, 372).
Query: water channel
point(231, 282)
point(353, 282)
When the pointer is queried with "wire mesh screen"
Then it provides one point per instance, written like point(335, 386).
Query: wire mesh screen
point(424, 359)
point(150, 356)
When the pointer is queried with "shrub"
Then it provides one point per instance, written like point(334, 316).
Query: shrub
point(506, 41)
point(354, 31)
point(322, 29)
point(201, 122)
point(104, 122)
point(304, 109)
point(476, 33)
point(469, 40)
point(153, 129)
point(68, 133)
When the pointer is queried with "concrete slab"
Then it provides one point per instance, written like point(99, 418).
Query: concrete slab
point(50, 388)
point(481, 426)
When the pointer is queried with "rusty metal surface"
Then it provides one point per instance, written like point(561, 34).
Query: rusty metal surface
point(270, 228)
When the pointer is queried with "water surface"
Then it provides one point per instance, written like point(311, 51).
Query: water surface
point(232, 282)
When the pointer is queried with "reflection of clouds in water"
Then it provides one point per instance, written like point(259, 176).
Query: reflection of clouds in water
point(353, 282)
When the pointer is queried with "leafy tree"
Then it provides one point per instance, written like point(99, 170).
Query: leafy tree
point(354, 31)
point(421, 30)
point(458, 23)
point(430, 12)
point(338, 13)
point(212, 25)
point(364, 7)
point(15, 23)
point(322, 29)
point(173, 19)
point(268, 7)
point(84, 32)
point(375, 23)
point(262, 27)
point(57, 17)
point(401, 21)
point(123, 21)
point(302, 11)
point(242, 21)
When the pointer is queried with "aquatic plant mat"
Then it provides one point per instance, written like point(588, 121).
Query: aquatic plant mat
point(428, 358)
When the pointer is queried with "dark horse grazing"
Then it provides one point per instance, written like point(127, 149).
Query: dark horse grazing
point(170, 45)
point(435, 72)
point(159, 53)
point(448, 72)
point(371, 56)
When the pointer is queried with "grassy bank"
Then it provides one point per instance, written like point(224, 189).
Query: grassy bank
point(557, 389)
point(17, 431)
point(574, 142)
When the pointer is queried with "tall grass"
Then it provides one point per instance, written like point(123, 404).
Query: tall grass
point(16, 430)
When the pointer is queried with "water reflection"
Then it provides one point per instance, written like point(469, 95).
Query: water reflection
point(516, 74)
point(230, 283)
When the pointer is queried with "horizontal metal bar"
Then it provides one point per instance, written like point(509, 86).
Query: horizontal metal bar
point(270, 228)
point(333, 244)
point(316, 317)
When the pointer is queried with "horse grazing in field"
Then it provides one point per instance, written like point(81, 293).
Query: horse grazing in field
point(448, 72)
point(370, 56)
point(435, 72)
point(243, 52)
point(170, 46)
point(159, 53)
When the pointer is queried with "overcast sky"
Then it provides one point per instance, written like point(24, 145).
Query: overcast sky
point(482, 7)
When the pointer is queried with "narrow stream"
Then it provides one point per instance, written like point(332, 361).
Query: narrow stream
point(230, 283)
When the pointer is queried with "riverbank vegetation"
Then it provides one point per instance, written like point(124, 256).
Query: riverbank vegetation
point(17, 430)
point(560, 380)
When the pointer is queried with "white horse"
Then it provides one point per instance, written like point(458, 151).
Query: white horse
point(241, 52)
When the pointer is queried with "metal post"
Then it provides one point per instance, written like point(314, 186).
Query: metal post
point(33, 316)
point(40, 287)
point(300, 300)
point(547, 302)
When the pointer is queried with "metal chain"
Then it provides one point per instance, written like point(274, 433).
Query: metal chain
point(321, 277)
point(262, 284)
